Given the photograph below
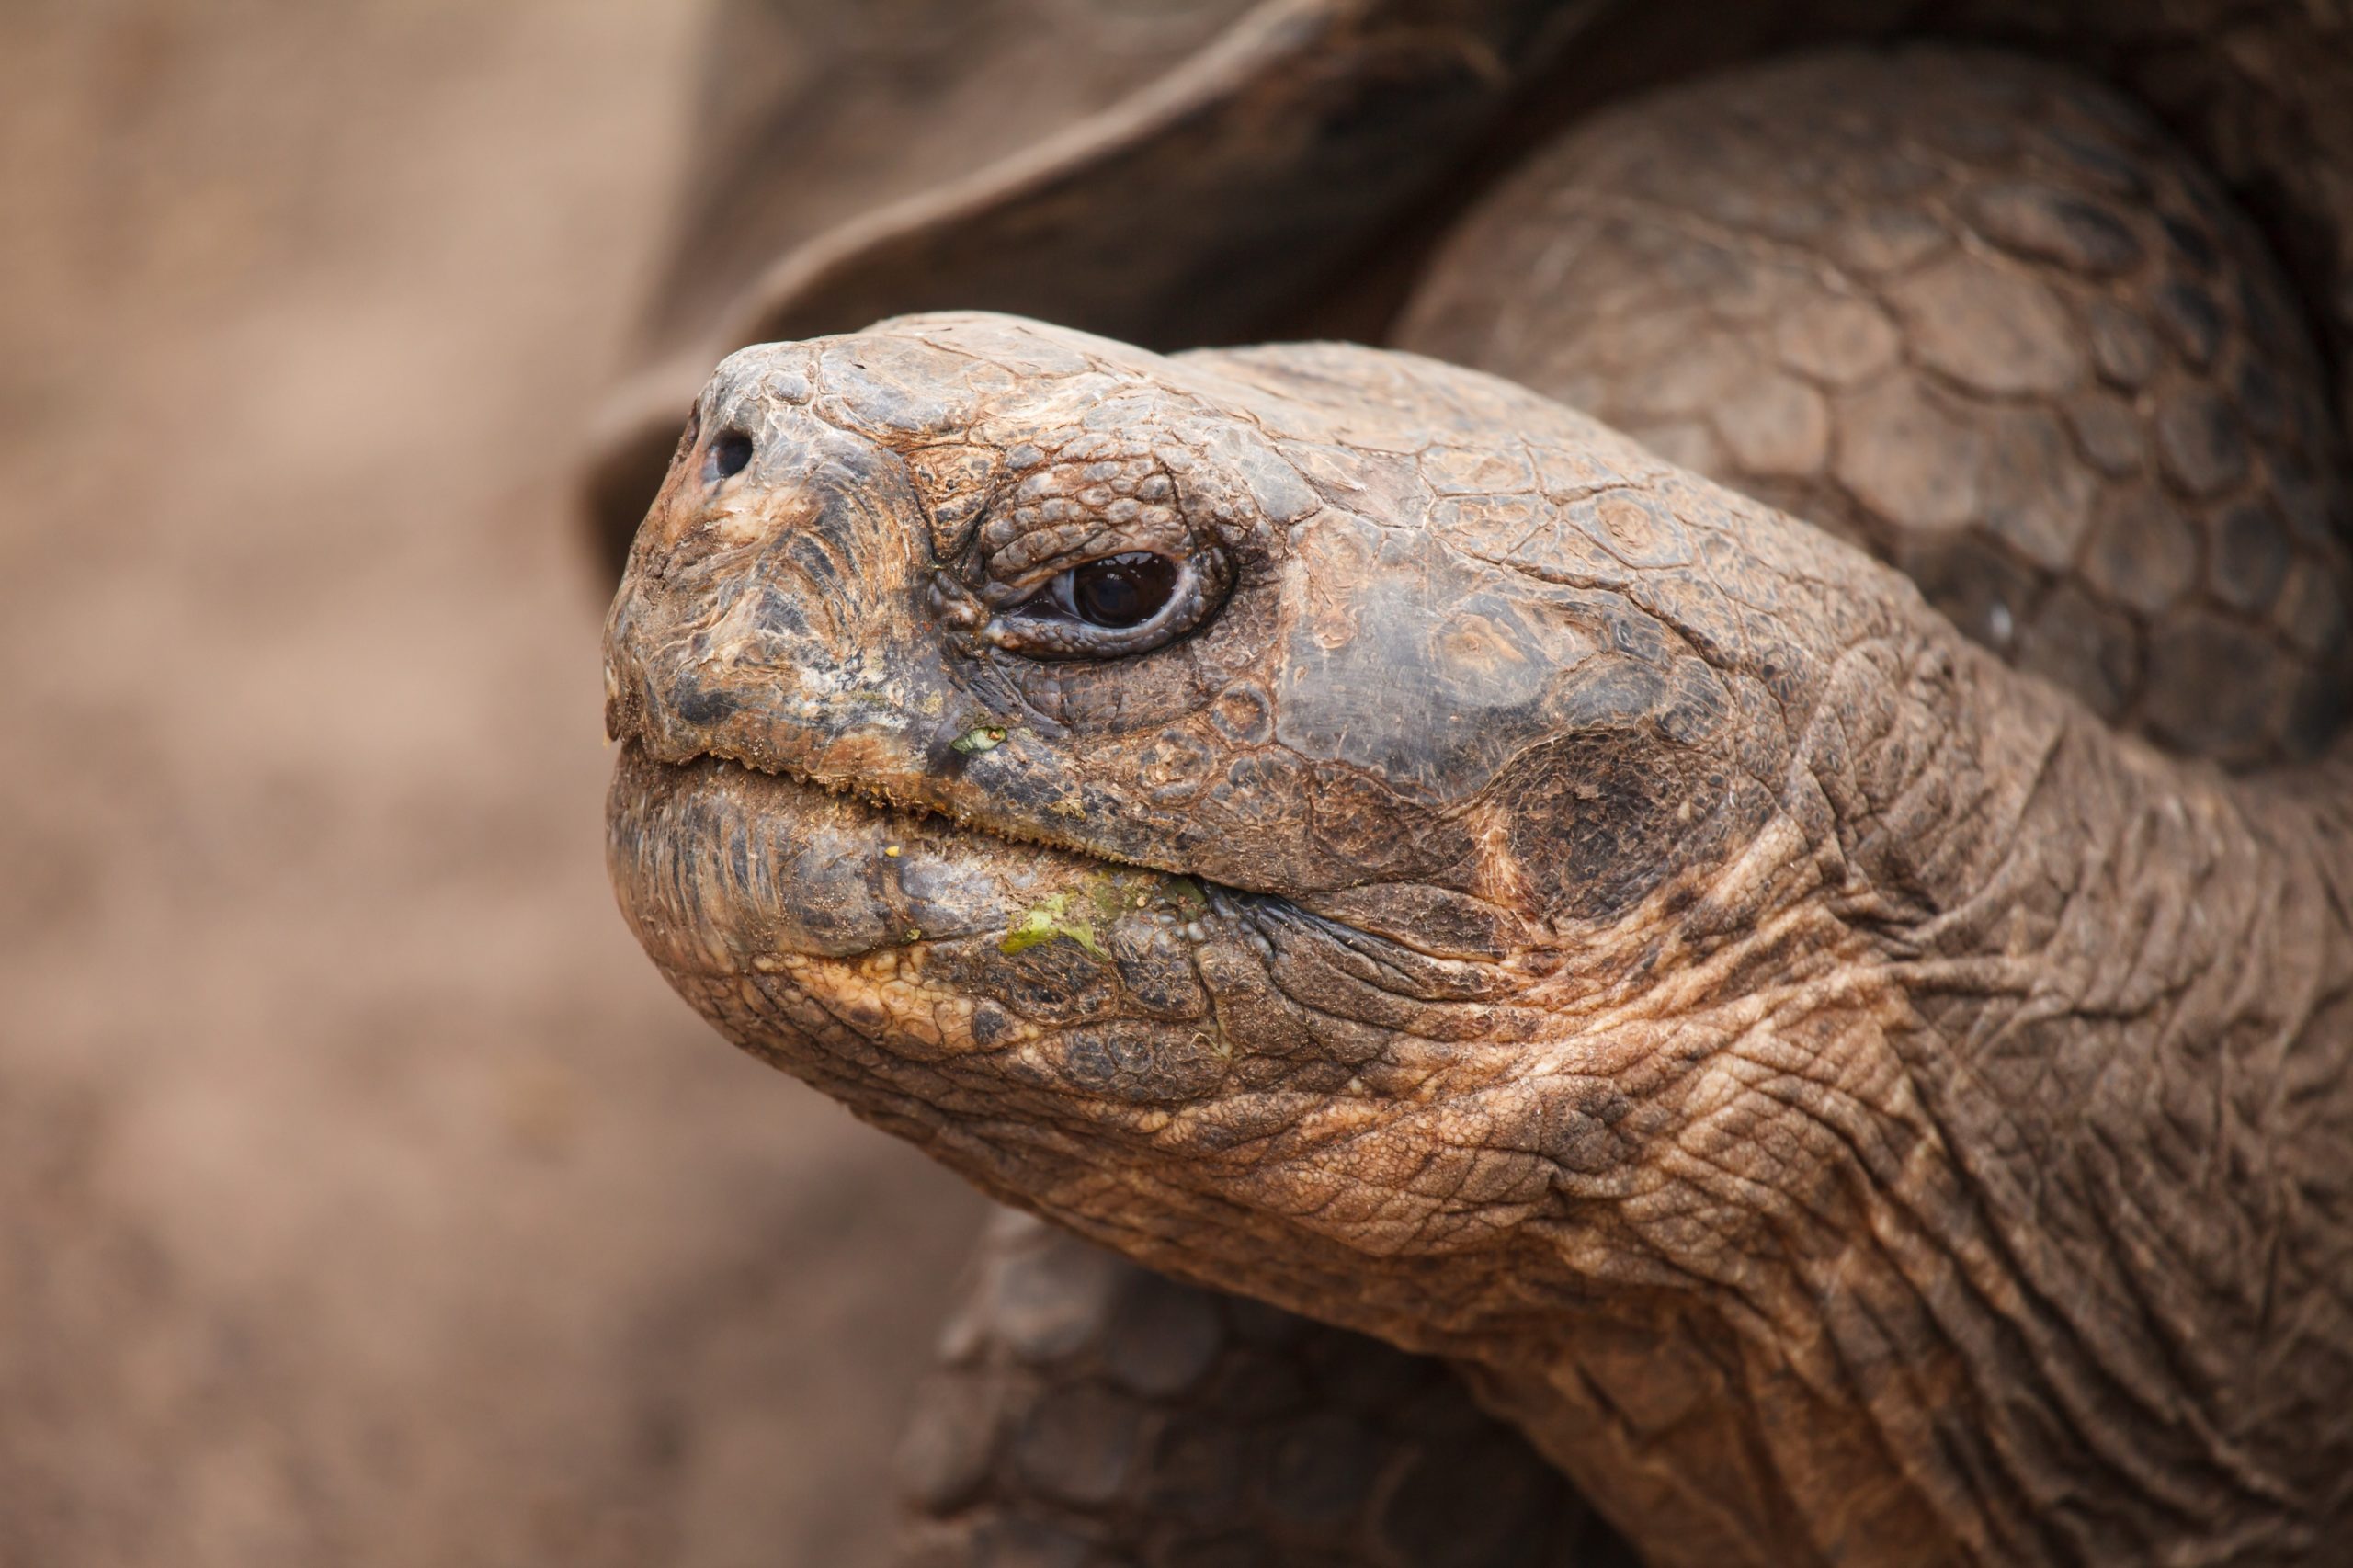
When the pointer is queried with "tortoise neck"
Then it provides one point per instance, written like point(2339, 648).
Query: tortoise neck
point(2061, 1212)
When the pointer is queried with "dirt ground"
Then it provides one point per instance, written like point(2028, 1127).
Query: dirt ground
point(365, 1199)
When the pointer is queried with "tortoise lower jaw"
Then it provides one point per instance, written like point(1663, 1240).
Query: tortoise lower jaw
point(721, 868)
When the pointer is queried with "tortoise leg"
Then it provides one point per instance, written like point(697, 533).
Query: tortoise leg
point(1088, 1412)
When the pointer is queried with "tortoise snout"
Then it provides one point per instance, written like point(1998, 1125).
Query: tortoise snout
point(773, 607)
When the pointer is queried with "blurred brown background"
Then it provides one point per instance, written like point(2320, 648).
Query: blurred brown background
point(364, 1197)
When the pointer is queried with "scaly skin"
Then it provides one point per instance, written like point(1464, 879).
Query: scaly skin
point(1956, 306)
point(1088, 1411)
point(1975, 314)
point(1840, 1098)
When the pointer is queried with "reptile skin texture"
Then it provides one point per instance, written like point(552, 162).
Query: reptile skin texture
point(1979, 317)
point(1087, 1411)
point(1973, 314)
point(1812, 1068)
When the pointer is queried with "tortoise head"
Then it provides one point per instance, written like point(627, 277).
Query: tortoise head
point(1233, 803)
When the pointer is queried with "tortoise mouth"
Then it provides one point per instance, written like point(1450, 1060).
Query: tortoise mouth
point(722, 867)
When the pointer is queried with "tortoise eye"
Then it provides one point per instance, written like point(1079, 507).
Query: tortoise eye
point(1118, 591)
point(1113, 606)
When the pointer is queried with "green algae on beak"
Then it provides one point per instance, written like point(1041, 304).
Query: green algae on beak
point(1047, 919)
point(1088, 914)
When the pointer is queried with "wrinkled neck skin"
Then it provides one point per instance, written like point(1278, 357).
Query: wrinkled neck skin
point(1997, 1206)
point(1897, 1121)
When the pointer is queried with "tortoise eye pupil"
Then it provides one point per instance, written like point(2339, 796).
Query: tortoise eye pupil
point(731, 454)
point(1122, 590)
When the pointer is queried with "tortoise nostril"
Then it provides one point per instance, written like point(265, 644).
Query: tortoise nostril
point(730, 455)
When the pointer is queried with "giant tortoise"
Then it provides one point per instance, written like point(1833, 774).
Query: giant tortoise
point(1769, 981)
